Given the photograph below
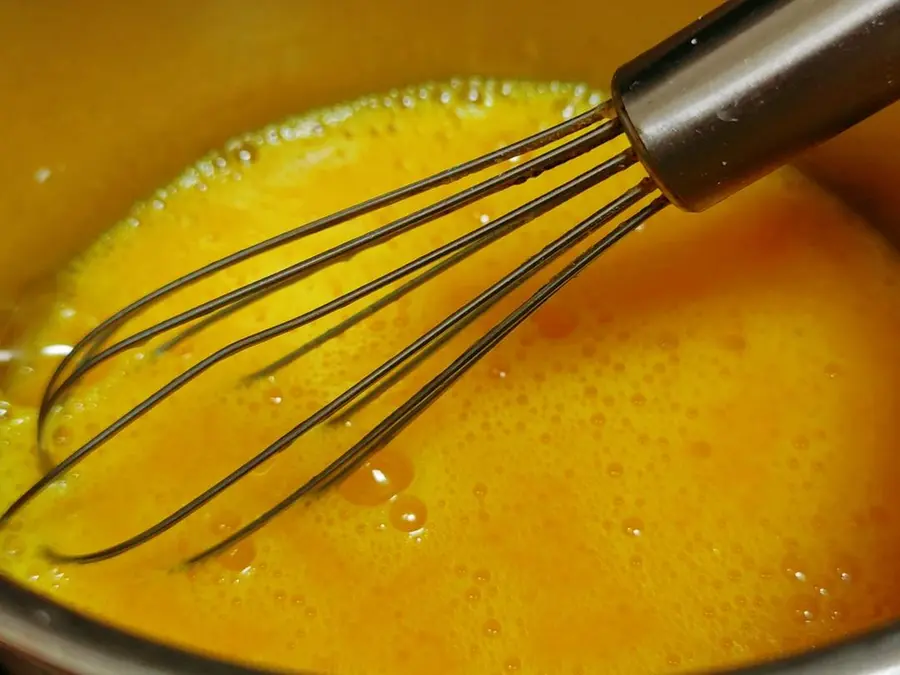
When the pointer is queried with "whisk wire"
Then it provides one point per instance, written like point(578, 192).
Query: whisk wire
point(94, 340)
point(370, 442)
point(361, 315)
point(95, 347)
point(526, 171)
point(418, 403)
point(475, 239)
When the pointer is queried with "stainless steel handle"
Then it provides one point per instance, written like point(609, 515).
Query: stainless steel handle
point(748, 87)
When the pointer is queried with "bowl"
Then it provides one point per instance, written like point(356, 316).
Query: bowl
point(106, 101)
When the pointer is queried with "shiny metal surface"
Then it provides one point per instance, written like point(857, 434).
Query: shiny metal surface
point(875, 654)
point(753, 84)
point(60, 642)
point(115, 97)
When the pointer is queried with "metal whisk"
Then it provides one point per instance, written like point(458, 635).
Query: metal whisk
point(706, 112)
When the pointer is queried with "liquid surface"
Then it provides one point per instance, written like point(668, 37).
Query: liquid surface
point(684, 460)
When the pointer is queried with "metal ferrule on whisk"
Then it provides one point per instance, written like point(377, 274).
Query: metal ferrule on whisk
point(753, 84)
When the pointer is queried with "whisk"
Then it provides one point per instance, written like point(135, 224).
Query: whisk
point(707, 112)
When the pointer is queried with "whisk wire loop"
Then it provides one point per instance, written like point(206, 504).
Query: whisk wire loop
point(407, 413)
point(95, 347)
point(258, 289)
point(472, 241)
point(86, 350)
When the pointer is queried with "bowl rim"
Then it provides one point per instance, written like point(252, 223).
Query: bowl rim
point(40, 631)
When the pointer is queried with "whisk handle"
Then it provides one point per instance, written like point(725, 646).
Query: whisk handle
point(746, 88)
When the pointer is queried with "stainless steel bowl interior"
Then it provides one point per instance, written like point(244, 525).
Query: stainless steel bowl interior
point(105, 101)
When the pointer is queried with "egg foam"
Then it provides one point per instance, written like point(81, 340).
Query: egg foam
point(684, 460)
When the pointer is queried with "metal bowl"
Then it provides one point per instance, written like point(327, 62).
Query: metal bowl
point(103, 101)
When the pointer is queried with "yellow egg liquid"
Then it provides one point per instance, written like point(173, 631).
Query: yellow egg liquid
point(684, 460)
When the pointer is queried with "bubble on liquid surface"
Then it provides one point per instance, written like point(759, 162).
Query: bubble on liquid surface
point(378, 480)
point(239, 557)
point(492, 628)
point(633, 527)
point(408, 513)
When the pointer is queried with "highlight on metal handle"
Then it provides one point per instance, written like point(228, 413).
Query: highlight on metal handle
point(748, 87)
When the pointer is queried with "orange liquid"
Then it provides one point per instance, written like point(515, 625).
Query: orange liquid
point(684, 460)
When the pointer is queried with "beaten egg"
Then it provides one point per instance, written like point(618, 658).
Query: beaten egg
point(684, 460)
